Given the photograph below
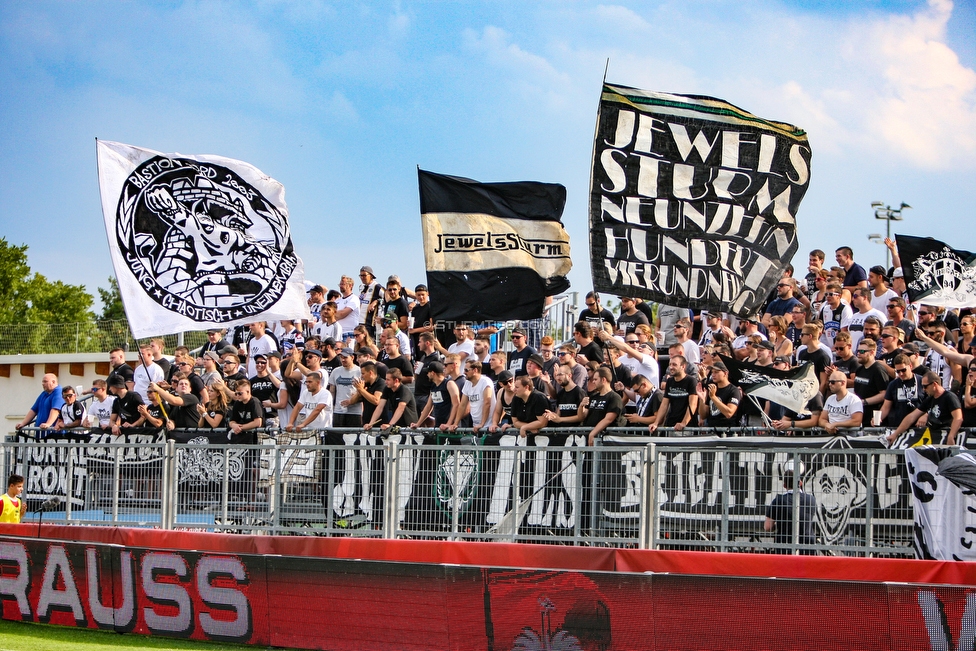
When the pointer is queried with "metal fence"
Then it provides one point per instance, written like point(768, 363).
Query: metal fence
point(708, 493)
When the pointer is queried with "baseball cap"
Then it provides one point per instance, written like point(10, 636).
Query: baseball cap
point(317, 288)
point(347, 352)
point(505, 376)
point(898, 273)
point(313, 351)
point(719, 366)
point(782, 359)
point(368, 269)
point(212, 355)
point(518, 331)
point(767, 344)
point(435, 367)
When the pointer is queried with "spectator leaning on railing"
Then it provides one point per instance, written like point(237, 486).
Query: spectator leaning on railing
point(47, 408)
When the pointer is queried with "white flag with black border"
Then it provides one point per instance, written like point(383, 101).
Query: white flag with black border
point(197, 241)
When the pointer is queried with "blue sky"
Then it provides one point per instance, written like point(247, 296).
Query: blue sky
point(341, 101)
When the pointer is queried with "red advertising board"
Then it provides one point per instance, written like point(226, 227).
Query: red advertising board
point(385, 595)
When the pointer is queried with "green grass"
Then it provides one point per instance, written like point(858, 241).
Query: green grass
point(26, 636)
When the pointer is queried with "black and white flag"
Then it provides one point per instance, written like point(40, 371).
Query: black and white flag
point(494, 251)
point(692, 200)
point(197, 241)
point(945, 511)
point(792, 389)
point(937, 274)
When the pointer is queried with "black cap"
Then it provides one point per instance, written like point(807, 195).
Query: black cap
point(313, 351)
point(505, 376)
point(435, 367)
point(116, 381)
point(767, 344)
point(537, 359)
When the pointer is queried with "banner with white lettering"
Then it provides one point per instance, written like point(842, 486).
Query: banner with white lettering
point(936, 273)
point(197, 241)
point(494, 251)
point(692, 200)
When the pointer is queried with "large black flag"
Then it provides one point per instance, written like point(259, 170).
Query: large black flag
point(792, 389)
point(494, 251)
point(692, 200)
point(937, 274)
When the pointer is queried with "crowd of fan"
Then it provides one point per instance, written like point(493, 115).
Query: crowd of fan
point(374, 359)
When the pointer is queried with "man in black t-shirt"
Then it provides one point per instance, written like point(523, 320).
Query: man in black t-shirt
point(813, 351)
point(569, 399)
point(522, 352)
point(181, 404)
point(939, 410)
point(870, 380)
point(528, 408)
point(369, 390)
point(422, 321)
point(394, 360)
point(125, 409)
point(398, 399)
point(264, 388)
point(588, 349)
point(395, 308)
point(679, 408)
point(116, 360)
point(904, 393)
point(647, 400)
point(245, 415)
point(424, 354)
point(603, 407)
point(595, 314)
point(722, 399)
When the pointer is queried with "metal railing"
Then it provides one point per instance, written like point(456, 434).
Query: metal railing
point(709, 493)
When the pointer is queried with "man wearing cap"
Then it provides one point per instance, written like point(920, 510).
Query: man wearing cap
point(540, 382)
point(309, 362)
point(722, 399)
point(740, 345)
point(764, 353)
point(215, 342)
point(330, 354)
point(316, 300)
point(443, 401)
point(522, 352)
point(341, 385)
point(630, 316)
point(125, 409)
point(364, 355)
point(370, 295)
point(398, 399)
point(880, 293)
point(842, 409)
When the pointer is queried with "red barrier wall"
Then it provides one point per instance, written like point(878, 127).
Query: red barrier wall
point(322, 593)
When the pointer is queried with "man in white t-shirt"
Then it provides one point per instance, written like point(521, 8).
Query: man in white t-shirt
point(314, 408)
point(146, 372)
point(100, 407)
point(880, 292)
point(476, 397)
point(341, 385)
point(843, 408)
point(637, 356)
point(861, 302)
point(261, 343)
point(463, 346)
point(740, 345)
point(682, 335)
point(347, 307)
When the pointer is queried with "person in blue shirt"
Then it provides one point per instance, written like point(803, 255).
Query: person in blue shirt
point(47, 407)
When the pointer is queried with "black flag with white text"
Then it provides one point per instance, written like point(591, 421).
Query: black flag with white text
point(692, 200)
point(792, 389)
point(937, 274)
point(494, 251)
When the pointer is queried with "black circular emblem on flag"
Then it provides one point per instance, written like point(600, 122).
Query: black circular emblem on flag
point(202, 241)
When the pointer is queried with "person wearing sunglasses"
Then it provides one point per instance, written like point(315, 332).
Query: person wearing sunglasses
point(870, 379)
point(896, 317)
point(835, 314)
point(842, 409)
point(939, 410)
point(903, 394)
point(522, 352)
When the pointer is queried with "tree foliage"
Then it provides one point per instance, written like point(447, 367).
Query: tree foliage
point(27, 297)
point(112, 309)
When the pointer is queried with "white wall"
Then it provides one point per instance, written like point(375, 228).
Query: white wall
point(17, 393)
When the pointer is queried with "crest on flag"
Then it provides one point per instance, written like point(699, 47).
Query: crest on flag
point(937, 274)
point(197, 240)
point(692, 200)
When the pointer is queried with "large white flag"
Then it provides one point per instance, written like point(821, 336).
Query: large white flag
point(197, 241)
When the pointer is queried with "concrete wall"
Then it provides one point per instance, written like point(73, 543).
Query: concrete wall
point(20, 379)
